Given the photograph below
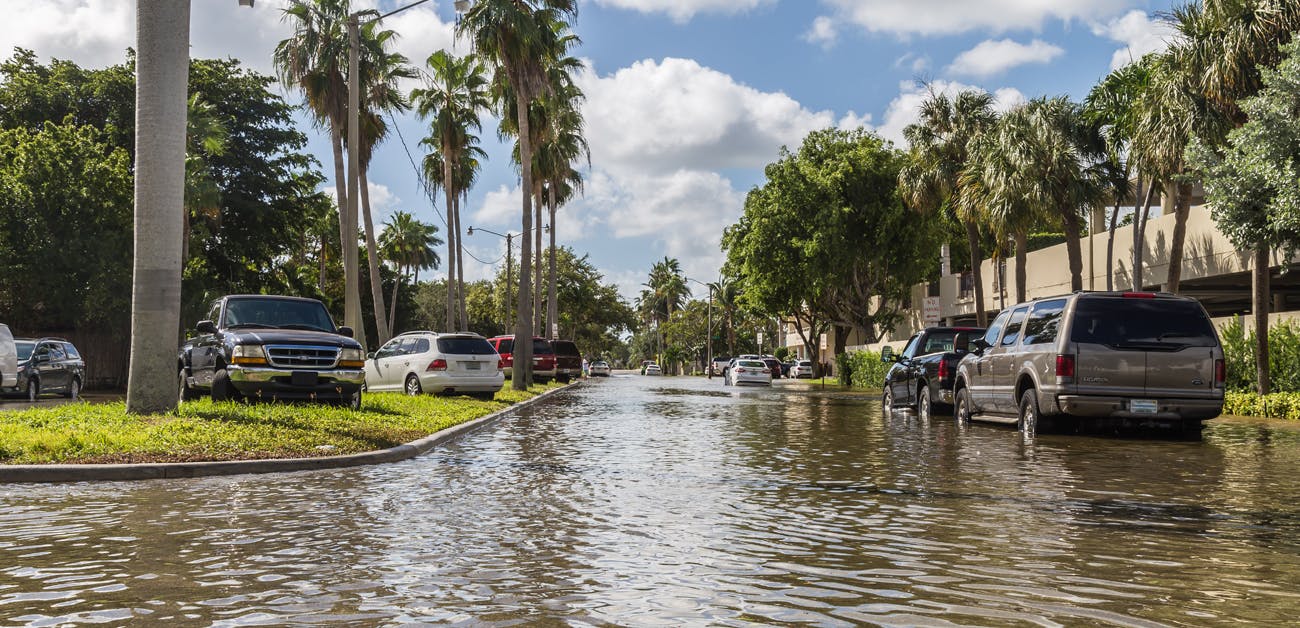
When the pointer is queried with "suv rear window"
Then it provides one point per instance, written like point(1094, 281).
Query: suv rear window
point(506, 345)
point(465, 345)
point(565, 347)
point(1142, 323)
point(542, 347)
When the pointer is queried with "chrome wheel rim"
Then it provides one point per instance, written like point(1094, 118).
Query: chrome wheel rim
point(75, 390)
point(412, 386)
point(923, 404)
point(889, 402)
point(33, 390)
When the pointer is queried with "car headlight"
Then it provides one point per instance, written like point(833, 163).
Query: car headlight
point(248, 354)
point(351, 358)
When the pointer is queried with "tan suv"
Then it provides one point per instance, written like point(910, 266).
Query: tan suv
point(1136, 358)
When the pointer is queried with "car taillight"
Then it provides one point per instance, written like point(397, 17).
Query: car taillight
point(501, 364)
point(1139, 295)
point(1065, 366)
point(437, 365)
point(1220, 372)
point(740, 369)
point(767, 371)
point(943, 369)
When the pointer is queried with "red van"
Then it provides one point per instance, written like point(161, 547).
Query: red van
point(543, 357)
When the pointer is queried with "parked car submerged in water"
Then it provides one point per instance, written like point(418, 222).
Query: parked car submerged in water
point(651, 369)
point(599, 368)
point(753, 371)
point(1136, 358)
point(922, 376)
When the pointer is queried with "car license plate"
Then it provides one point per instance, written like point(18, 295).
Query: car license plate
point(473, 366)
point(1143, 406)
point(304, 378)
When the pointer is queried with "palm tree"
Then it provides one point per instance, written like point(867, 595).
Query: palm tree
point(456, 93)
point(514, 36)
point(380, 72)
point(726, 294)
point(314, 59)
point(562, 146)
point(410, 245)
point(1112, 105)
point(930, 180)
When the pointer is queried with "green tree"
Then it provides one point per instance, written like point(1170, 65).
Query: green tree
point(410, 245)
point(1251, 182)
point(1111, 105)
point(515, 36)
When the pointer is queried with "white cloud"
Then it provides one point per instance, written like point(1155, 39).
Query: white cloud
point(905, 109)
point(912, 61)
point(683, 10)
point(991, 57)
point(822, 32)
point(1140, 35)
point(501, 206)
point(947, 17)
point(676, 114)
point(852, 120)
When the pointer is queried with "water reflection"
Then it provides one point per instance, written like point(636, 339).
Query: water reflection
point(645, 500)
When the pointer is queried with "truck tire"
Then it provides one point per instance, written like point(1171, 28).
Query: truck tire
point(923, 407)
point(962, 406)
point(187, 393)
point(222, 388)
point(1029, 415)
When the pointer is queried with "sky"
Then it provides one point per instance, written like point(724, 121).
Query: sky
point(686, 100)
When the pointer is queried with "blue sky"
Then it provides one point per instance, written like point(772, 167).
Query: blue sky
point(687, 99)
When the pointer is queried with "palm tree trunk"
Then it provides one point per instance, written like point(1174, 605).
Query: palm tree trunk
point(538, 307)
point(522, 374)
point(731, 334)
point(448, 188)
point(976, 259)
point(162, 66)
point(552, 308)
point(1139, 238)
point(1259, 306)
point(340, 187)
point(1182, 207)
point(372, 255)
point(1022, 250)
point(1110, 247)
point(392, 310)
point(460, 270)
point(1073, 249)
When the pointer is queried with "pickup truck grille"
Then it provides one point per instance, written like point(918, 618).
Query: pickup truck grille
point(302, 356)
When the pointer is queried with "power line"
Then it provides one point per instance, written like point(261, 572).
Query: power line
point(419, 174)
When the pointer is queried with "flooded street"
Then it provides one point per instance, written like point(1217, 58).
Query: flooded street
point(636, 500)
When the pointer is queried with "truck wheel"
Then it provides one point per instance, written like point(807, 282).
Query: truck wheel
point(962, 406)
point(923, 402)
point(353, 403)
point(186, 392)
point(412, 386)
point(33, 389)
point(1029, 412)
point(222, 389)
point(887, 402)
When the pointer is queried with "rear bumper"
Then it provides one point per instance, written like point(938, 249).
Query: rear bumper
point(442, 382)
point(278, 383)
point(1118, 407)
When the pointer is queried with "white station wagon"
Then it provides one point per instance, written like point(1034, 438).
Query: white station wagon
point(427, 362)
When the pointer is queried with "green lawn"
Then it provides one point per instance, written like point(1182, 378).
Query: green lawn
point(204, 431)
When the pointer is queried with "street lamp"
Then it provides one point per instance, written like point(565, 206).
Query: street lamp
point(708, 337)
point(510, 237)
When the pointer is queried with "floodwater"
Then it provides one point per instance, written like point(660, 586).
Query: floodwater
point(636, 501)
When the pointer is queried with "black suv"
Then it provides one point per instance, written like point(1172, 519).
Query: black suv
point(568, 360)
point(272, 347)
point(49, 365)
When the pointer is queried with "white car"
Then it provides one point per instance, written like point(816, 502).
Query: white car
point(749, 372)
point(427, 362)
point(803, 369)
point(599, 368)
point(653, 369)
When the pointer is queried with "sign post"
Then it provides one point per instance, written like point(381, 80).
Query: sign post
point(930, 311)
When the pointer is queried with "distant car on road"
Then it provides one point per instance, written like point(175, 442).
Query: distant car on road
point(749, 372)
point(773, 365)
point(719, 364)
point(599, 368)
point(426, 362)
point(802, 369)
point(651, 369)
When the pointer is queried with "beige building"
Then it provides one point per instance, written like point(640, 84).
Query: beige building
point(1213, 271)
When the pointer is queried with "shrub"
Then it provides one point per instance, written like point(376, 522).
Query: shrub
point(1283, 405)
point(861, 369)
point(1283, 356)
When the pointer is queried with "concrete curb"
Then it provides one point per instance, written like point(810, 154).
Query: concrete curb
point(32, 473)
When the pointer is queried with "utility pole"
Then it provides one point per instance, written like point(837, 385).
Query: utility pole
point(351, 273)
point(509, 277)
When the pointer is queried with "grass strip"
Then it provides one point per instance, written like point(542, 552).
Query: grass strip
point(203, 430)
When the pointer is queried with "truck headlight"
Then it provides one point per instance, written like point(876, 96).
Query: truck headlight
point(251, 355)
point(351, 359)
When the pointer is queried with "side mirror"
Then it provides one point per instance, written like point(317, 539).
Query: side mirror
point(206, 327)
point(980, 345)
point(961, 343)
point(887, 354)
point(370, 356)
point(346, 331)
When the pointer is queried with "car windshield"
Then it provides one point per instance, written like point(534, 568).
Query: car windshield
point(1129, 322)
point(24, 349)
point(752, 364)
point(465, 345)
point(944, 342)
point(278, 314)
